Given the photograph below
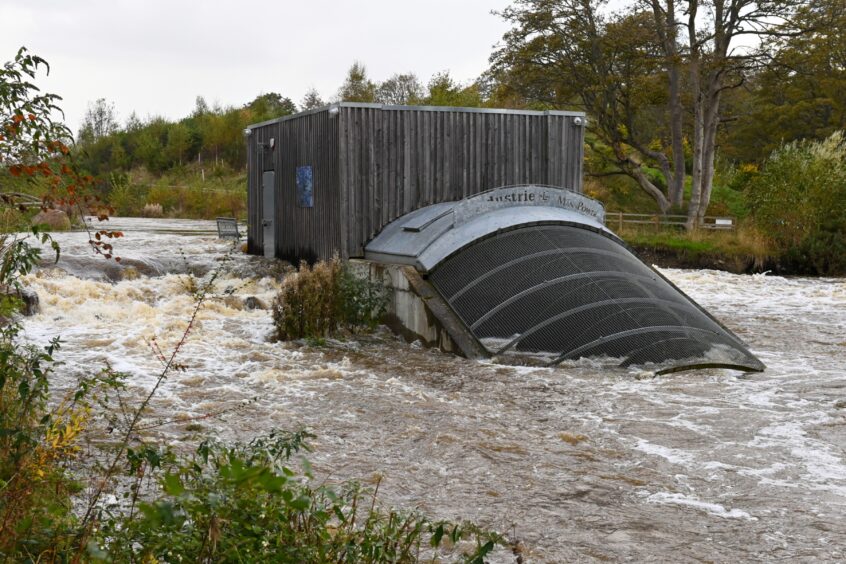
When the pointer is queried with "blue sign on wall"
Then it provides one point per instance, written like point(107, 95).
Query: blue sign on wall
point(305, 187)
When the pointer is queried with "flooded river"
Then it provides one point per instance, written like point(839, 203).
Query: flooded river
point(581, 462)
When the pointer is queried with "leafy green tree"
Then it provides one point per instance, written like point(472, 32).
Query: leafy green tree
point(152, 141)
point(200, 124)
point(234, 148)
point(178, 143)
point(201, 107)
point(133, 123)
point(214, 137)
point(800, 95)
point(357, 86)
point(119, 158)
point(269, 106)
point(568, 53)
point(444, 91)
point(575, 50)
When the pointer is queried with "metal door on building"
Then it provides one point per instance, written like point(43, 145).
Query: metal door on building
point(268, 205)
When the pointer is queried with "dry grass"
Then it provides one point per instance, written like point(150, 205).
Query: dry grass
point(743, 242)
point(308, 303)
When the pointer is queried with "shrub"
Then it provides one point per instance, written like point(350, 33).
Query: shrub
point(797, 201)
point(37, 442)
point(308, 304)
point(37, 447)
point(317, 301)
point(166, 196)
point(246, 503)
point(363, 302)
point(123, 197)
point(821, 252)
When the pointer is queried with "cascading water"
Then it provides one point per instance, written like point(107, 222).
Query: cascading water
point(579, 462)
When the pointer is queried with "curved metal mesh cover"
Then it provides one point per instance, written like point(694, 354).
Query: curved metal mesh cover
point(568, 292)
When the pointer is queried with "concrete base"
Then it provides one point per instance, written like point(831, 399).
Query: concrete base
point(416, 312)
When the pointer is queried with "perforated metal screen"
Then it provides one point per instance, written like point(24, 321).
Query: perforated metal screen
point(569, 292)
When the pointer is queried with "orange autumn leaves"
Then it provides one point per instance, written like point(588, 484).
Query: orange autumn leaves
point(105, 247)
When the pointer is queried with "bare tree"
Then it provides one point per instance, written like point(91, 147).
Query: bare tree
point(100, 120)
point(400, 89)
point(667, 32)
point(726, 39)
point(312, 100)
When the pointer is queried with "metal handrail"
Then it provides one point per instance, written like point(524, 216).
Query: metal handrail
point(673, 220)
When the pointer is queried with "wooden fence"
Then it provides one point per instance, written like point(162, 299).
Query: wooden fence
point(18, 199)
point(619, 219)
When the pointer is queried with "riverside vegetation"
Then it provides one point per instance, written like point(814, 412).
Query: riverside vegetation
point(792, 217)
point(133, 499)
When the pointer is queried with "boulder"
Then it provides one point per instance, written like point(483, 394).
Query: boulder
point(30, 302)
point(29, 299)
point(55, 220)
point(252, 302)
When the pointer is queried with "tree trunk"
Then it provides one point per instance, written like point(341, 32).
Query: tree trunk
point(676, 185)
point(726, 17)
point(665, 25)
point(709, 148)
point(644, 182)
point(633, 169)
point(698, 123)
point(698, 139)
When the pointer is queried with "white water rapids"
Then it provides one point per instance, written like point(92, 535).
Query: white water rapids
point(581, 462)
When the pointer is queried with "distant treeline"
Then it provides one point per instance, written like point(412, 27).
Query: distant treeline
point(212, 136)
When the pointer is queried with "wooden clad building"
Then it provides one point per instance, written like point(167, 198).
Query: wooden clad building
point(328, 180)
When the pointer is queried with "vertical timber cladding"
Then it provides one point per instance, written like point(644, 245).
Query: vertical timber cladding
point(308, 233)
point(372, 164)
point(395, 159)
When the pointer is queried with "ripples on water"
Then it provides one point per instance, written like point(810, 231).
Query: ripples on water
point(579, 462)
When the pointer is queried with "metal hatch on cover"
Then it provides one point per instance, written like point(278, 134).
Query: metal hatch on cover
point(533, 270)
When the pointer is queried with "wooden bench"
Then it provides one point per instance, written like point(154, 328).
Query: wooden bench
point(227, 228)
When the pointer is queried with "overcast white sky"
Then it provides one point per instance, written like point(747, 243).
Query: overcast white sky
point(156, 56)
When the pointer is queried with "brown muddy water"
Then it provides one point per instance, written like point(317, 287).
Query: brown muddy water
point(581, 462)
